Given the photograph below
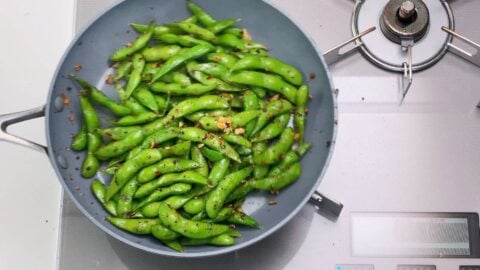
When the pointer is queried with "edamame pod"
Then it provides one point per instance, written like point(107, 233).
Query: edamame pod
point(160, 52)
point(197, 156)
point(169, 165)
point(79, 141)
point(188, 177)
point(272, 109)
point(271, 82)
point(191, 229)
point(136, 75)
point(221, 240)
point(302, 99)
point(143, 95)
point(117, 148)
point(136, 226)
point(137, 45)
point(124, 204)
point(240, 218)
point(177, 89)
point(164, 192)
point(269, 64)
point(130, 168)
point(229, 123)
point(274, 129)
point(217, 197)
point(273, 153)
point(280, 181)
point(194, 206)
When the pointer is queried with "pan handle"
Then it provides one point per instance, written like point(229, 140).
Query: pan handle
point(17, 117)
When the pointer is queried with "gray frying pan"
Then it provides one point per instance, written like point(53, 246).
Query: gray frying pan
point(110, 31)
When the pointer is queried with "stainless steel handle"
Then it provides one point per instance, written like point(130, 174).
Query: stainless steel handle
point(12, 118)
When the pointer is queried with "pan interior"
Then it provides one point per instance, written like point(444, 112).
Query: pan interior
point(110, 31)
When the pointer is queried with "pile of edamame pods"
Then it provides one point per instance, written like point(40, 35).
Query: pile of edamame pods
point(202, 120)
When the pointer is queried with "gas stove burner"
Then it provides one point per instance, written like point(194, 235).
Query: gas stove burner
point(402, 20)
point(404, 24)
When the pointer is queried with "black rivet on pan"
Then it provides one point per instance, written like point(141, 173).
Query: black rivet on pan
point(62, 161)
point(58, 104)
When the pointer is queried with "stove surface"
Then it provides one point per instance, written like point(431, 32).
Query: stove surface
point(422, 156)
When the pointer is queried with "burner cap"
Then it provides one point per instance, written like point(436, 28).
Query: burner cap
point(404, 19)
point(414, 21)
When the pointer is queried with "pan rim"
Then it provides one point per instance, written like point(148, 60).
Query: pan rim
point(220, 250)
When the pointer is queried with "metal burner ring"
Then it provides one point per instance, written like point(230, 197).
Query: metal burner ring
point(394, 67)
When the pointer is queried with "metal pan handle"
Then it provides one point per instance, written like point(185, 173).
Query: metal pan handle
point(17, 117)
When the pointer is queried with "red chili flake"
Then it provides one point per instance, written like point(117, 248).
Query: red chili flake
point(65, 99)
point(109, 79)
point(77, 188)
point(77, 67)
point(71, 118)
point(311, 76)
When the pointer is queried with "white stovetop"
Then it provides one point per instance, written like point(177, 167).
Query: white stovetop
point(436, 135)
point(34, 37)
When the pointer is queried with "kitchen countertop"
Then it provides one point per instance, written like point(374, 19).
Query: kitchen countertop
point(36, 33)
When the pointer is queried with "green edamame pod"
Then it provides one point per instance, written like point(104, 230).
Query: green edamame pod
point(302, 99)
point(219, 170)
point(188, 106)
point(225, 59)
point(177, 89)
point(278, 182)
point(98, 190)
point(132, 120)
point(177, 78)
point(91, 164)
point(217, 197)
point(163, 52)
point(188, 177)
point(219, 26)
point(213, 69)
point(130, 168)
point(123, 70)
point(272, 109)
point(259, 91)
point(169, 165)
point(239, 193)
point(221, 240)
point(273, 129)
point(243, 151)
point(237, 139)
point(211, 155)
point(178, 201)
point(250, 103)
point(163, 233)
point(290, 158)
point(117, 148)
point(183, 40)
point(197, 156)
point(136, 226)
point(271, 82)
point(212, 81)
point(259, 171)
point(159, 29)
point(238, 32)
point(223, 214)
point(198, 217)
point(138, 63)
point(194, 206)
point(150, 210)
point(90, 117)
point(273, 153)
point(79, 141)
point(195, 117)
point(178, 150)
point(202, 16)
point(143, 95)
point(303, 148)
point(191, 229)
point(137, 45)
point(179, 59)
point(164, 192)
point(195, 30)
point(124, 204)
point(232, 41)
point(100, 98)
point(240, 218)
point(209, 139)
point(228, 123)
point(117, 133)
point(269, 64)
point(175, 245)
